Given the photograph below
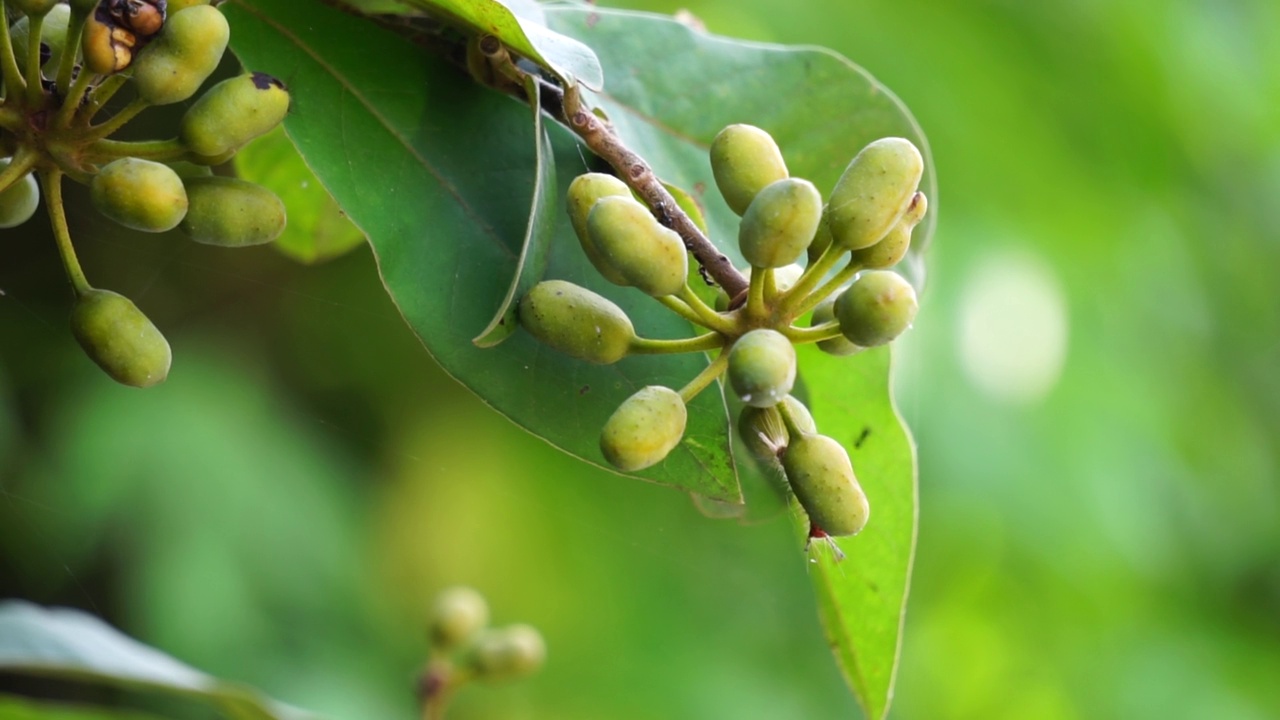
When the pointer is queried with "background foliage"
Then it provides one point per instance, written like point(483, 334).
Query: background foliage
point(1092, 384)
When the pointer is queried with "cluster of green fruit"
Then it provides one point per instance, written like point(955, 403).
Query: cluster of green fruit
point(465, 648)
point(61, 62)
point(866, 223)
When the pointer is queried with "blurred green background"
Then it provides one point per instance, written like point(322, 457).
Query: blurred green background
point(1094, 385)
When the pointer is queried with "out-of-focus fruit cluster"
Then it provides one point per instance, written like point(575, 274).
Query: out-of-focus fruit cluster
point(465, 648)
point(851, 298)
point(60, 64)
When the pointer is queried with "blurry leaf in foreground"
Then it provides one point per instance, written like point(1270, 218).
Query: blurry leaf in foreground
point(71, 645)
point(17, 708)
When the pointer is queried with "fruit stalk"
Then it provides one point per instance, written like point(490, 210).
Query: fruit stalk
point(74, 30)
point(158, 150)
point(705, 378)
point(801, 305)
point(51, 184)
point(707, 317)
point(8, 61)
point(117, 121)
point(18, 167)
point(637, 174)
point(36, 25)
point(650, 346)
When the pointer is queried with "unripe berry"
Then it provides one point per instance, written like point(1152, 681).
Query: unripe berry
point(650, 256)
point(825, 312)
point(140, 194)
point(19, 201)
point(509, 652)
point(33, 7)
point(457, 614)
point(233, 112)
point(877, 308)
point(820, 474)
point(765, 433)
point(762, 367)
point(873, 192)
point(893, 247)
point(644, 429)
point(576, 321)
point(231, 212)
point(744, 160)
point(583, 193)
point(780, 223)
point(176, 5)
point(181, 57)
point(120, 339)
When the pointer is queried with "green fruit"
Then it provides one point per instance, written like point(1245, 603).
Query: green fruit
point(877, 308)
point(648, 255)
point(508, 652)
point(745, 160)
point(821, 476)
point(182, 56)
point(644, 429)
point(780, 223)
point(893, 247)
point(120, 339)
point(140, 194)
point(34, 7)
point(762, 367)
point(53, 34)
point(764, 432)
point(824, 313)
point(231, 212)
point(583, 193)
point(576, 321)
point(873, 192)
point(457, 615)
point(187, 170)
point(176, 5)
point(19, 201)
point(233, 112)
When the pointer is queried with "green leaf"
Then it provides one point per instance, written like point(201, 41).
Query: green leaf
point(438, 174)
point(536, 248)
point(317, 229)
point(862, 599)
point(16, 708)
point(519, 25)
point(71, 645)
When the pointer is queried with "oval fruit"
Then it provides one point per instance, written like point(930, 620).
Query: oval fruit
point(877, 308)
point(140, 194)
point(233, 112)
point(508, 652)
point(780, 223)
point(873, 192)
point(644, 429)
point(583, 193)
point(576, 321)
point(457, 615)
point(762, 367)
point(182, 57)
point(19, 201)
point(231, 212)
point(893, 247)
point(745, 160)
point(651, 257)
point(120, 339)
point(825, 312)
point(821, 475)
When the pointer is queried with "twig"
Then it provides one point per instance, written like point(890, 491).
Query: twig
point(637, 174)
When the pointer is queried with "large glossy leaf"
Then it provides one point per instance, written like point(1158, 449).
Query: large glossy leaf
point(519, 24)
point(439, 174)
point(71, 645)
